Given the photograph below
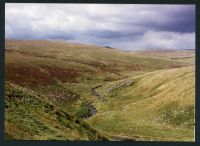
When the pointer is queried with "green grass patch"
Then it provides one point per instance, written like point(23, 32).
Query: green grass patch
point(83, 111)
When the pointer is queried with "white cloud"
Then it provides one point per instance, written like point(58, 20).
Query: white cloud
point(122, 26)
point(159, 40)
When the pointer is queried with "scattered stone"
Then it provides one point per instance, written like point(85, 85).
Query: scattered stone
point(122, 139)
point(95, 93)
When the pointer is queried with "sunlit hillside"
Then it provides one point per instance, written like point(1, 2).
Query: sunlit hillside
point(62, 90)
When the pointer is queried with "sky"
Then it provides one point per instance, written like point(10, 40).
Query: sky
point(123, 26)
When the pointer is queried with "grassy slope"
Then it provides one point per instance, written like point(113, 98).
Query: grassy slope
point(186, 55)
point(155, 106)
point(84, 59)
point(65, 72)
point(50, 67)
point(29, 116)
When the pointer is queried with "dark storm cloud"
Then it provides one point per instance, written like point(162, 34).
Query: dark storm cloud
point(121, 26)
point(108, 34)
point(181, 20)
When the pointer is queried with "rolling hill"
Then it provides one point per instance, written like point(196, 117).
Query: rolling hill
point(29, 116)
point(150, 106)
point(184, 55)
point(101, 87)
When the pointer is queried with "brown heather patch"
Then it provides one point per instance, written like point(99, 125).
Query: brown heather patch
point(175, 66)
point(135, 67)
point(8, 51)
point(117, 67)
point(32, 54)
point(26, 75)
point(62, 74)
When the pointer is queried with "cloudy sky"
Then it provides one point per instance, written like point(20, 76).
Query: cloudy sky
point(129, 27)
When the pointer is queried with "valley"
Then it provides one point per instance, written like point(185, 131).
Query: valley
point(61, 90)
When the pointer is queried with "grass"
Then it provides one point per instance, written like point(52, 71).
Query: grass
point(186, 60)
point(29, 117)
point(158, 105)
point(150, 96)
point(83, 111)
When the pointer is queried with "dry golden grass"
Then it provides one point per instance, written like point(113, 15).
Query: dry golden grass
point(158, 105)
point(152, 102)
